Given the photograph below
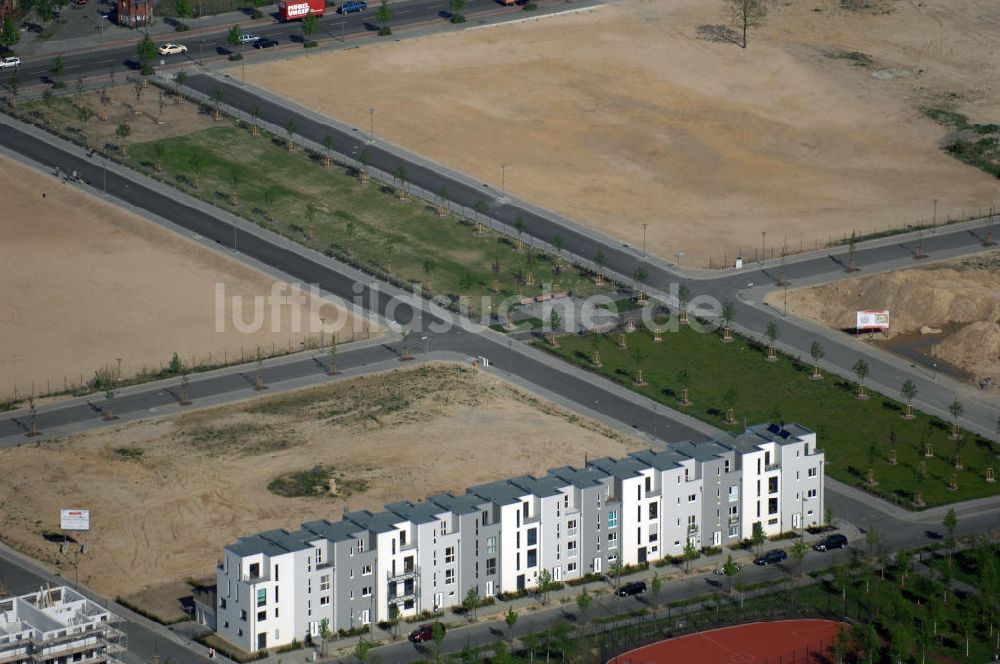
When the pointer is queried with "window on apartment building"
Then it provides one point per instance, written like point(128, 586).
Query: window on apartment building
point(324, 600)
point(734, 510)
point(811, 493)
point(727, 465)
point(366, 591)
point(517, 539)
point(570, 567)
point(449, 576)
point(486, 517)
point(449, 555)
point(276, 577)
point(491, 566)
point(772, 485)
point(612, 518)
point(276, 594)
point(222, 603)
point(319, 556)
point(734, 493)
point(532, 558)
point(261, 615)
point(571, 528)
point(812, 472)
point(361, 546)
point(571, 548)
point(566, 502)
point(652, 536)
point(243, 614)
point(772, 505)
point(652, 510)
point(276, 635)
point(772, 522)
point(649, 484)
point(532, 536)
point(638, 492)
point(638, 512)
point(638, 536)
point(444, 528)
point(718, 471)
point(517, 561)
point(759, 469)
point(402, 538)
point(261, 596)
point(692, 497)
point(324, 583)
point(524, 509)
point(366, 617)
point(491, 546)
point(691, 521)
point(366, 570)
point(613, 540)
point(277, 612)
point(734, 531)
point(767, 458)
point(687, 474)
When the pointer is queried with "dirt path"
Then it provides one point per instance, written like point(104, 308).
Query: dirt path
point(624, 116)
point(167, 495)
point(86, 282)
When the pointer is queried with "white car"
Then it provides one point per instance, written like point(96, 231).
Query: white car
point(173, 49)
point(8, 62)
point(247, 38)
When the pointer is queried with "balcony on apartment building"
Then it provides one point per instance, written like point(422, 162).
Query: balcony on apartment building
point(408, 573)
point(255, 574)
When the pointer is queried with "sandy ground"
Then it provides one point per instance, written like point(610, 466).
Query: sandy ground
point(86, 282)
point(958, 298)
point(623, 116)
point(166, 495)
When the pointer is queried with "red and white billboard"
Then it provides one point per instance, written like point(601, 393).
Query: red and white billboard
point(873, 320)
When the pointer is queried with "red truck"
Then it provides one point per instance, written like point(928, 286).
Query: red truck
point(293, 10)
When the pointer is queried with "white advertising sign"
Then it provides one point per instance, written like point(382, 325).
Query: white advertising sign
point(74, 519)
point(873, 320)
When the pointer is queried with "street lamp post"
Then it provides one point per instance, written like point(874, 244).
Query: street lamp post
point(763, 236)
point(934, 220)
point(644, 240)
point(503, 180)
point(680, 254)
point(371, 125)
point(427, 344)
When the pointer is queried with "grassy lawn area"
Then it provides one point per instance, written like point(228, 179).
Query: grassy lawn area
point(330, 210)
point(855, 434)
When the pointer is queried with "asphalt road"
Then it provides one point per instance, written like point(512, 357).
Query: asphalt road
point(745, 289)
point(122, 59)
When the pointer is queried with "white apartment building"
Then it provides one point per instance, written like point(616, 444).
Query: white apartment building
point(58, 626)
point(277, 586)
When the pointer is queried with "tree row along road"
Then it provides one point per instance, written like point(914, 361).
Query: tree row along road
point(841, 353)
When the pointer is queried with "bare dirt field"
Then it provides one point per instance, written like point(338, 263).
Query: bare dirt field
point(626, 115)
point(955, 302)
point(86, 282)
point(181, 488)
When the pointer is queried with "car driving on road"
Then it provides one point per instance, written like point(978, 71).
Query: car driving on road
point(771, 558)
point(633, 588)
point(352, 6)
point(10, 62)
point(424, 633)
point(247, 38)
point(172, 49)
point(265, 43)
point(836, 541)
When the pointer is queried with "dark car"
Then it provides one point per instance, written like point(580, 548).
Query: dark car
point(265, 43)
point(837, 541)
point(632, 588)
point(352, 6)
point(771, 558)
point(424, 633)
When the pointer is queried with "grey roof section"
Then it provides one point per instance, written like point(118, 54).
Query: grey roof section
point(622, 469)
point(508, 492)
point(502, 493)
point(424, 512)
point(543, 487)
point(582, 478)
point(467, 504)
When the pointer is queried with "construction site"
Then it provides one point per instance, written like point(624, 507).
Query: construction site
point(55, 625)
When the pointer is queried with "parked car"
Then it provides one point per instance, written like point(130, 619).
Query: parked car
point(632, 588)
point(10, 62)
point(265, 43)
point(836, 541)
point(721, 569)
point(424, 633)
point(172, 49)
point(247, 38)
point(771, 557)
point(352, 6)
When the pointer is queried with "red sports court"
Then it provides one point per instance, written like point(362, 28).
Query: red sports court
point(779, 642)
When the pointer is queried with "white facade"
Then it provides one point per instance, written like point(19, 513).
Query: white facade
point(414, 557)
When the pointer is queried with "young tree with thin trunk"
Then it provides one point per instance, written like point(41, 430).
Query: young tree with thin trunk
point(519, 225)
point(511, 619)
point(799, 551)
point(956, 409)
point(757, 538)
point(773, 334)
point(159, 149)
point(545, 584)
point(122, 132)
point(729, 398)
point(310, 24)
point(325, 634)
point(909, 391)
point(328, 146)
point(861, 370)
point(11, 36)
point(683, 298)
point(728, 316)
point(583, 602)
point(195, 163)
point(730, 569)
point(690, 553)
point(147, 53)
point(655, 588)
point(217, 101)
point(331, 355)
point(817, 353)
point(638, 356)
point(684, 380)
point(290, 129)
point(950, 523)
point(456, 7)
point(746, 14)
point(471, 603)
